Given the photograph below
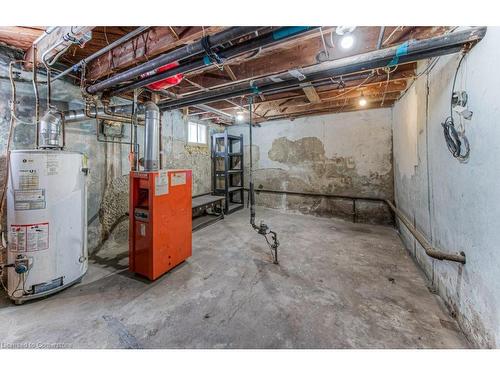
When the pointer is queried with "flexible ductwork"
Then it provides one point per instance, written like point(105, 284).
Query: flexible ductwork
point(151, 136)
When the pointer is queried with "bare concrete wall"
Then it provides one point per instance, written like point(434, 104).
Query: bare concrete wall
point(456, 205)
point(346, 154)
point(178, 153)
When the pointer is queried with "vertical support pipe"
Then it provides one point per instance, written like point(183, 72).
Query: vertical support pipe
point(251, 191)
point(37, 100)
point(380, 37)
point(151, 136)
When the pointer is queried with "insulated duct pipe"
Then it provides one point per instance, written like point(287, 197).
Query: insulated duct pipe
point(405, 53)
point(151, 136)
point(251, 45)
point(102, 51)
point(429, 250)
point(79, 115)
point(175, 55)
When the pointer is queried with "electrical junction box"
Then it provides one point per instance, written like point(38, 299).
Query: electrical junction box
point(160, 224)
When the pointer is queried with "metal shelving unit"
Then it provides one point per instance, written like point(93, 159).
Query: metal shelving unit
point(227, 160)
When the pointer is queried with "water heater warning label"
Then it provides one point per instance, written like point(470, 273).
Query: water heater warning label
point(17, 238)
point(29, 199)
point(29, 237)
point(52, 165)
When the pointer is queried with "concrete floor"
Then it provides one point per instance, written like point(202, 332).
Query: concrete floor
point(339, 285)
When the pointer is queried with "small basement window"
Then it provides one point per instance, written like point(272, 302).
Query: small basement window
point(197, 133)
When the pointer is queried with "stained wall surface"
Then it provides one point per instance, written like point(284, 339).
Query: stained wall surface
point(345, 154)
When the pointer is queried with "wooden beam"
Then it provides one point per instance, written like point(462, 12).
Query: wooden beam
point(339, 103)
point(230, 72)
point(347, 108)
point(396, 84)
point(151, 43)
point(19, 37)
point(311, 94)
point(174, 33)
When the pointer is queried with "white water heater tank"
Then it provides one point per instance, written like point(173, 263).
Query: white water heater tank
point(46, 222)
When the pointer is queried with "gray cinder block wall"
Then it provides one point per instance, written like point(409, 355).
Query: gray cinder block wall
point(347, 154)
point(455, 204)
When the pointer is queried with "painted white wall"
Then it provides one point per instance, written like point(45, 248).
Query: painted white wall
point(456, 205)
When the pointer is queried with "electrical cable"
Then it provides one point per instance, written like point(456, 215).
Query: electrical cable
point(387, 70)
point(455, 139)
point(355, 87)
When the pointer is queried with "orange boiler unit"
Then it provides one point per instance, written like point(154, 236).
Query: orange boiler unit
point(160, 221)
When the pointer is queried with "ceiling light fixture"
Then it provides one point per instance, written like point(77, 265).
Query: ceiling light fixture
point(239, 116)
point(347, 41)
point(362, 100)
point(345, 32)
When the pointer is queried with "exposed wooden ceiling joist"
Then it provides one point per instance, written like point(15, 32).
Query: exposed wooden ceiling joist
point(311, 94)
point(397, 81)
point(152, 42)
point(299, 52)
point(20, 37)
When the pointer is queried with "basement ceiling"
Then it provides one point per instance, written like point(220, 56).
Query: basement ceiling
point(381, 88)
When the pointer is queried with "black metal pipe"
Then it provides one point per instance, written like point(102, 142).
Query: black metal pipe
point(405, 53)
point(263, 41)
point(322, 195)
point(169, 57)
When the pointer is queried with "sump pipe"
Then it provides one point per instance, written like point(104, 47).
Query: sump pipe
point(428, 248)
point(169, 57)
point(251, 45)
point(405, 53)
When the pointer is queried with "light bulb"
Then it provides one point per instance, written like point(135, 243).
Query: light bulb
point(239, 117)
point(362, 101)
point(347, 41)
